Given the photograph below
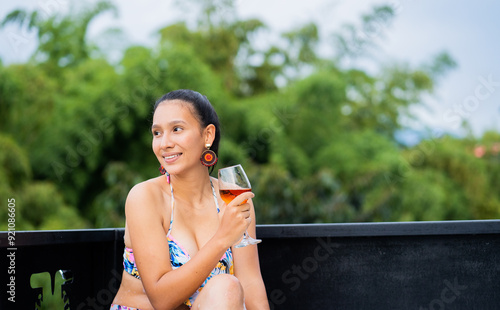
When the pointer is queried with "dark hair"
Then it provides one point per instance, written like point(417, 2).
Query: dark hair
point(202, 110)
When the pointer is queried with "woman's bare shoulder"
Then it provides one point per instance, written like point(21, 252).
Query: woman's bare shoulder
point(144, 205)
point(147, 192)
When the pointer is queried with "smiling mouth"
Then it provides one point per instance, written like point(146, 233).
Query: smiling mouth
point(171, 156)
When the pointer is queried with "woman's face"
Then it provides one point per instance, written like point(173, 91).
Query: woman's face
point(178, 139)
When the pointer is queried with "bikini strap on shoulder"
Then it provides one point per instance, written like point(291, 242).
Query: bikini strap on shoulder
point(215, 196)
point(171, 209)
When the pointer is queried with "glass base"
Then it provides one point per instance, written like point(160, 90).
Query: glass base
point(247, 240)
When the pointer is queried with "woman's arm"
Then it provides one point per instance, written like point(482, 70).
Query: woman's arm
point(247, 270)
point(167, 288)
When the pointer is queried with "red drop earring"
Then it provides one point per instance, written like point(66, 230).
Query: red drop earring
point(164, 172)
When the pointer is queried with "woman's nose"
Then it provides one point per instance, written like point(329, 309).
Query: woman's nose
point(166, 142)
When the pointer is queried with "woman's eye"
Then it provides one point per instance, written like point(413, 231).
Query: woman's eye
point(156, 133)
point(177, 128)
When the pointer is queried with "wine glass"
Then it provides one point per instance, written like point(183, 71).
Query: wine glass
point(232, 182)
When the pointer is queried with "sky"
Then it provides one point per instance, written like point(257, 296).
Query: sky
point(466, 30)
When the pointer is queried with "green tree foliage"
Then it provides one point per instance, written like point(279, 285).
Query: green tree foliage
point(62, 39)
point(316, 135)
point(353, 41)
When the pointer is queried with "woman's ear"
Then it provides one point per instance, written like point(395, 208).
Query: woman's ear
point(210, 134)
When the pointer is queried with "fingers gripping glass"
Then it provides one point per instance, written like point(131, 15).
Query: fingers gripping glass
point(232, 182)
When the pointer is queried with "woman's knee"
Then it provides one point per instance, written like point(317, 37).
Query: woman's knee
point(226, 283)
point(222, 292)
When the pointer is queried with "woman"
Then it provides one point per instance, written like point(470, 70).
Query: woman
point(178, 231)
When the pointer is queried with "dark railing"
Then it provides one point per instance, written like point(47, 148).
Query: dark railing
point(418, 265)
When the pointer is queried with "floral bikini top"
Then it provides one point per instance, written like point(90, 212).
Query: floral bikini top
point(179, 256)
